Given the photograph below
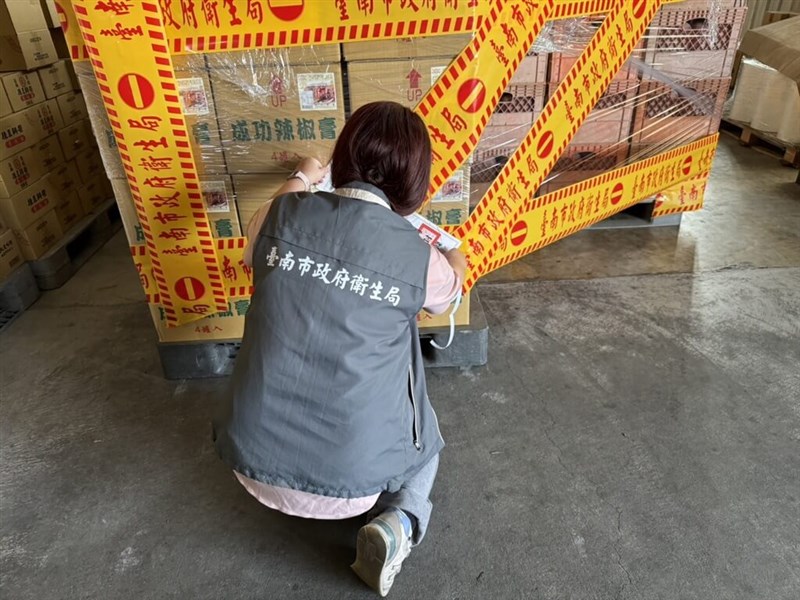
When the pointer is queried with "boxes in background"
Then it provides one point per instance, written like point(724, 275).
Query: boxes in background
point(50, 13)
point(41, 235)
point(69, 210)
point(10, 256)
point(72, 107)
point(227, 325)
point(64, 178)
point(22, 89)
point(55, 79)
point(74, 139)
point(663, 115)
point(450, 205)
point(417, 47)
point(93, 195)
point(5, 104)
point(89, 166)
point(49, 152)
point(25, 128)
point(20, 171)
point(252, 192)
point(278, 118)
point(403, 81)
point(23, 208)
point(25, 41)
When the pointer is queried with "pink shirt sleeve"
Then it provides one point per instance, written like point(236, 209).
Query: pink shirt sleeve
point(442, 286)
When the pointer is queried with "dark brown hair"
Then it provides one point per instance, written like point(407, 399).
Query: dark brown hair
point(387, 145)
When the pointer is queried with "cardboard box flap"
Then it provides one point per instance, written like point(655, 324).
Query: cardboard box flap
point(776, 45)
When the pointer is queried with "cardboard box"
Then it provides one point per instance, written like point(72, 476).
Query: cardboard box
point(10, 256)
point(25, 41)
point(224, 223)
point(72, 107)
point(417, 47)
point(228, 325)
point(93, 195)
point(427, 321)
point(298, 55)
point(403, 81)
point(101, 127)
point(90, 165)
point(50, 13)
point(197, 102)
point(127, 212)
point(580, 162)
point(55, 79)
point(5, 104)
point(776, 45)
point(23, 208)
point(3, 225)
point(22, 89)
point(19, 172)
point(49, 152)
point(64, 178)
point(611, 118)
point(277, 119)
point(73, 76)
point(39, 237)
point(450, 205)
point(74, 139)
point(69, 211)
point(25, 128)
point(252, 192)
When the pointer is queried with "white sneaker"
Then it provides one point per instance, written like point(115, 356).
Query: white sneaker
point(381, 549)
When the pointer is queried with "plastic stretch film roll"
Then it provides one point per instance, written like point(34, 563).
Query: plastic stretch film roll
point(771, 102)
point(748, 88)
point(789, 130)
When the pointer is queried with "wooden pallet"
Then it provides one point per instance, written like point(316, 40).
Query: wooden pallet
point(762, 142)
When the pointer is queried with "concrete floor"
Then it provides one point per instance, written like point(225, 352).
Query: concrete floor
point(636, 434)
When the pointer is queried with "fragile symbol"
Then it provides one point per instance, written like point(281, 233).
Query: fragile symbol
point(471, 95)
point(687, 165)
point(545, 145)
point(519, 232)
point(286, 10)
point(189, 288)
point(616, 193)
point(136, 91)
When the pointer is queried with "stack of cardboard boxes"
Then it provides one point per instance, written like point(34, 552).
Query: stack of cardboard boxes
point(51, 175)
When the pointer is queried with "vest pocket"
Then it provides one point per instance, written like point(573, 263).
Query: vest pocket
point(415, 417)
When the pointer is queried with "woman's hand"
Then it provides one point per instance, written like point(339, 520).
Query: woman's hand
point(313, 169)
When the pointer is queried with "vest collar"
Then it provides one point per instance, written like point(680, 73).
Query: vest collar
point(364, 191)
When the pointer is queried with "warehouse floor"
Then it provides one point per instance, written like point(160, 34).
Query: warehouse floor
point(636, 433)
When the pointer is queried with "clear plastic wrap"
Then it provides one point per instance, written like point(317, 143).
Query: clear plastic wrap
point(253, 114)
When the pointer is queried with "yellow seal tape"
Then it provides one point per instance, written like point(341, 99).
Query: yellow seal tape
point(139, 90)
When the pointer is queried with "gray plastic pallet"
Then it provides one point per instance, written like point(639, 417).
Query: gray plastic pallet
point(61, 262)
point(17, 292)
point(199, 360)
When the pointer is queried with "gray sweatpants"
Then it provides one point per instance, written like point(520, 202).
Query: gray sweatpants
point(413, 498)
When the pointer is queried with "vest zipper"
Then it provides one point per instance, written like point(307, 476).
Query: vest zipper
point(417, 444)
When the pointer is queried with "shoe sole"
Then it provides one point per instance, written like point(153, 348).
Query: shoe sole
point(371, 552)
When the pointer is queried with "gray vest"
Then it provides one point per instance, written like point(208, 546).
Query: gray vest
point(328, 394)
